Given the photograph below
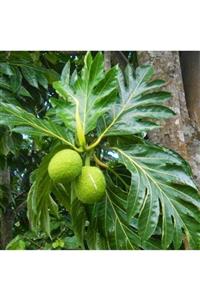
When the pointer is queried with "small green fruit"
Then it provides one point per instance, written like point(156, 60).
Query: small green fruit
point(65, 166)
point(90, 185)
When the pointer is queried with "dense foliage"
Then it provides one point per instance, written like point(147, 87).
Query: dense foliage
point(151, 201)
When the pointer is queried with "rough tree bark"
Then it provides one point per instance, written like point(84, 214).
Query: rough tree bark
point(176, 133)
point(118, 57)
point(190, 63)
point(107, 60)
point(7, 216)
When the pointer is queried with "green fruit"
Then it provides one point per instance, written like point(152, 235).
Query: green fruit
point(90, 185)
point(65, 166)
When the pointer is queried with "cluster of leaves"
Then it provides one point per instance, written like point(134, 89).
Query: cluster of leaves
point(25, 81)
point(151, 201)
point(62, 237)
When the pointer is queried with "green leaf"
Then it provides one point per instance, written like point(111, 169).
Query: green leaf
point(78, 215)
point(51, 57)
point(51, 75)
point(8, 97)
point(16, 244)
point(42, 80)
point(65, 75)
point(108, 224)
point(58, 244)
point(13, 85)
point(62, 112)
point(30, 75)
point(71, 242)
point(91, 92)
point(62, 195)
point(5, 83)
point(15, 116)
point(136, 108)
point(53, 207)
point(6, 69)
point(16, 80)
point(39, 200)
point(6, 143)
point(24, 92)
point(37, 203)
point(161, 186)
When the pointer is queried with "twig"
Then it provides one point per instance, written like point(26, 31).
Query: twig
point(100, 163)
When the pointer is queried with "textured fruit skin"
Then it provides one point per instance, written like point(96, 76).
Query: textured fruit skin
point(90, 185)
point(65, 166)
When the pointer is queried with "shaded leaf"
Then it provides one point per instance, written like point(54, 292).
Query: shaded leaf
point(16, 244)
point(42, 80)
point(39, 200)
point(16, 80)
point(78, 216)
point(71, 242)
point(62, 195)
point(30, 75)
point(6, 69)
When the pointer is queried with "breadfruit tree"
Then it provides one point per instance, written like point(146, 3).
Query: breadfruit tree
point(119, 190)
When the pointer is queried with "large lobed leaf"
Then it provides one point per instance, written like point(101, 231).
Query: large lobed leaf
point(108, 223)
point(91, 92)
point(138, 105)
point(40, 202)
point(26, 123)
point(62, 112)
point(39, 198)
point(161, 187)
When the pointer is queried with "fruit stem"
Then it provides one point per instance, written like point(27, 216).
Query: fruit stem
point(100, 163)
point(88, 157)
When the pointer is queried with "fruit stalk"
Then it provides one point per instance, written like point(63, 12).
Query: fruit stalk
point(100, 163)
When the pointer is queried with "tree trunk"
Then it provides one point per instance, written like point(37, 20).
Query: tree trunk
point(190, 63)
point(107, 60)
point(177, 133)
point(167, 67)
point(118, 57)
point(7, 215)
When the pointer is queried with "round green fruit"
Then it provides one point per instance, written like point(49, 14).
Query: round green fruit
point(90, 185)
point(65, 166)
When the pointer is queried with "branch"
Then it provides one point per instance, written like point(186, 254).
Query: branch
point(20, 207)
point(100, 163)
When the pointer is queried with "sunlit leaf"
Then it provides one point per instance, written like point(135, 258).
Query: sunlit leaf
point(161, 185)
point(136, 109)
point(92, 89)
point(25, 122)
